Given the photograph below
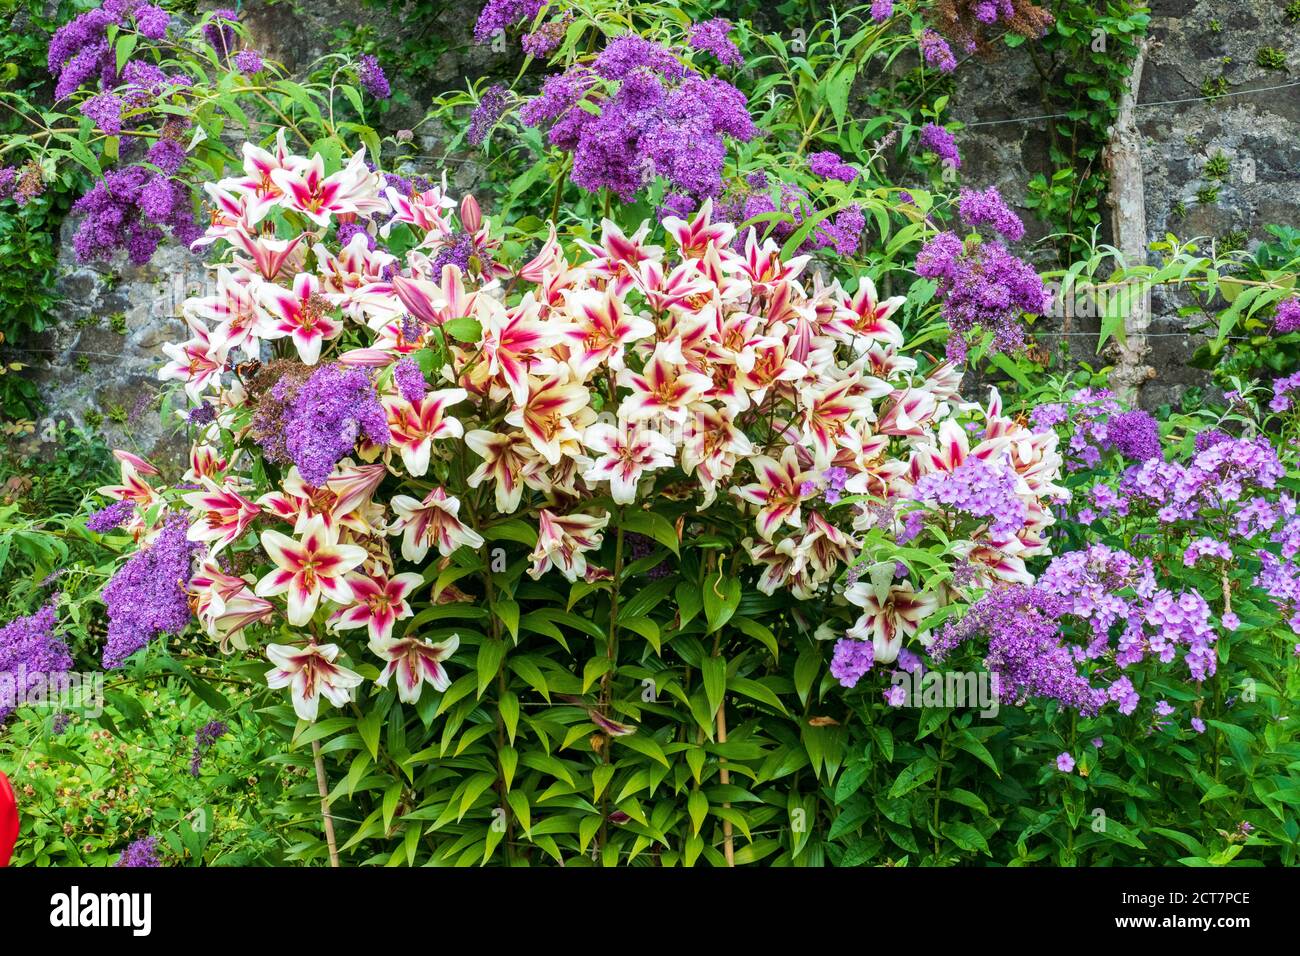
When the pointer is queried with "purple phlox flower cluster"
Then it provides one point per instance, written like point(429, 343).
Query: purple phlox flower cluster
point(939, 141)
point(711, 37)
point(491, 107)
point(835, 479)
point(141, 853)
point(496, 15)
point(1282, 389)
point(988, 208)
point(1287, 316)
point(1094, 585)
point(829, 165)
point(249, 62)
point(1280, 580)
point(1124, 695)
point(205, 738)
point(219, 32)
point(110, 517)
point(851, 660)
point(328, 414)
point(1214, 479)
point(981, 288)
point(1206, 548)
point(1065, 763)
point(410, 380)
point(979, 489)
point(1207, 437)
point(910, 661)
point(128, 209)
point(371, 77)
point(147, 597)
point(30, 654)
point(661, 118)
point(79, 51)
point(1134, 434)
point(882, 10)
point(1023, 648)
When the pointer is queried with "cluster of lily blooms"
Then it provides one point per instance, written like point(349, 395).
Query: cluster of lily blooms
point(585, 383)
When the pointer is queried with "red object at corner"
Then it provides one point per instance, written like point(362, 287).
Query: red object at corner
point(8, 820)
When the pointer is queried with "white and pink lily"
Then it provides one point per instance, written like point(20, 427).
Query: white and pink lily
point(416, 426)
point(380, 602)
point(624, 455)
point(308, 569)
point(562, 541)
point(304, 313)
point(310, 673)
point(413, 662)
point(433, 522)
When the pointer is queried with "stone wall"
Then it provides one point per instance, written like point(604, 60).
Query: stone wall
point(102, 356)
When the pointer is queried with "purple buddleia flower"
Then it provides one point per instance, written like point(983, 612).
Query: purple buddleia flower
point(205, 738)
point(141, 853)
point(327, 416)
point(410, 380)
point(219, 32)
point(882, 10)
point(987, 208)
point(30, 656)
point(711, 37)
point(829, 165)
point(939, 141)
point(147, 597)
point(372, 79)
point(1135, 435)
point(105, 111)
point(111, 517)
point(1287, 316)
point(249, 62)
point(491, 107)
point(936, 52)
point(496, 15)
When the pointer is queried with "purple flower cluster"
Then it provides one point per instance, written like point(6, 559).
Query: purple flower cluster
point(939, 141)
point(981, 287)
point(1024, 648)
point(219, 32)
point(79, 51)
point(326, 416)
point(1087, 411)
point(110, 517)
point(30, 654)
point(1282, 389)
point(978, 489)
point(1135, 435)
point(882, 10)
point(372, 79)
point(1212, 482)
point(105, 111)
point(248, 62)
point(147, 596)
point(988, 208)
point(496, 15)
point(491, 107)
point(936, 52)
point(829, 165)
point(851, 660)
point(543, 41)
point(1287, 317)
point(410, 380)
point(141, 853)
point(205, 738)
point(662, 118)
point(711, 37)
point(129, 207)
point(757, 198)
point(1095, 585)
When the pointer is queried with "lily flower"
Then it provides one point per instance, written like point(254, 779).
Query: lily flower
point(561, 541)
point(416, 426)
point(197, 362)
point(303, 313)
point(413, 662)
point(308, 569)
point(665, 387)
point(781, 489)
point(223, 515)
point(553, 415)
point(602, 328)
point(310, 673)
point(506, 458)
point(431, 522)
point(380, 603)
point(625, 455)
point(890, 612)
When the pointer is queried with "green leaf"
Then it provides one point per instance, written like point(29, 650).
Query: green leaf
point(713, 670)
point(721, 598)
point(490, 655)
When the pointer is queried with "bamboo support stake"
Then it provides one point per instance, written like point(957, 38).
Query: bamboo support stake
point(728, 843)
point(323, 786)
